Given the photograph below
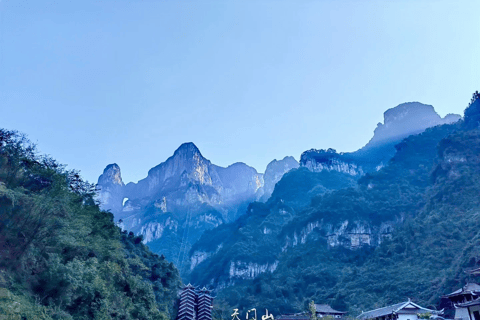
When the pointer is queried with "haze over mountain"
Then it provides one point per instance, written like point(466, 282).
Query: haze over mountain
point(186, 195)
point(274, 172)
point(179, 199)
point(399, 122)
point(321, 172)
point(353, 238)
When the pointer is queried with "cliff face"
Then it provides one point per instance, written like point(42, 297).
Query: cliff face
point(407, 119)
point(274, 172)
point(348, 234)
point(327, 205)
point(185, 194)
point(329, 160)
point(110, 188)
point(399, 122)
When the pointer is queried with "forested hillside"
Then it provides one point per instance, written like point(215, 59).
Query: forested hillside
point(407, 231)
point(61, 257)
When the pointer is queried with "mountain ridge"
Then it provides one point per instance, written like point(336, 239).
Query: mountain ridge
point(351, 247)
point(187, 194)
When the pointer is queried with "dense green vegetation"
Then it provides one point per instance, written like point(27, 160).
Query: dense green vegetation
point(254, 236)
point(61, 257)
point(429, 190)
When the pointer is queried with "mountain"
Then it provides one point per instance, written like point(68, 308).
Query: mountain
point(328, 223)
point(186, 195)
point(357, 214)
point(179, 199)
point(274, 172)
point(407, 119)
point(399, 122)
point(62, 257)
point(110, 191)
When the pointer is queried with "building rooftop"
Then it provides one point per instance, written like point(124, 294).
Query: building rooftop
point(294, 316)
point(469, 288)
point(189, 286)
point(469, 303)
point(474, 271)
point(325, 308)
point(395, 308)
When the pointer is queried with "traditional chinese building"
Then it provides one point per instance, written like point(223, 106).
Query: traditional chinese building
point(188, 303)
point(321, 310)
point(472, 309)
point(400, 311)
point(468, 292)
point(204, 304)
point(324, 310)
point(294, 316)
point(195, 304)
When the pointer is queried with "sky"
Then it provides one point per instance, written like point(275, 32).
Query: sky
point(127, 82)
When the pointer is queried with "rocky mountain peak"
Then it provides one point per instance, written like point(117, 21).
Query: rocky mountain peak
point(186, 161)
point(274, 172)
point(187, 149)
point(407, 119)
point(111, 175)
point(399, 122)
point(110, 188)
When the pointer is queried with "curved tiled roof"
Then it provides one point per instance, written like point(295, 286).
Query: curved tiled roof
point(469, 288)
point(325, 308)
point(394, 308)
point(469, 303)
point(296, 316)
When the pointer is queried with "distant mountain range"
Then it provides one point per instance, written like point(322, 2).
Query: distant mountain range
point(179, 199)
point(400, 122)
point(186, 195)
point(396, 219)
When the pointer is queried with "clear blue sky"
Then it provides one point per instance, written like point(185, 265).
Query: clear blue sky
point(97, 82)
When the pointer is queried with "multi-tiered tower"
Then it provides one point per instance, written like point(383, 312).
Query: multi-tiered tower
point(195, 304)
point(204, 304)
point(188, 303)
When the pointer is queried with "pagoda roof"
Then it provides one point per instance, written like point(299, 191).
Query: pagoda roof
point(475, 302)
point(469, 288)
point(325, 308)
point(475, 271)
point(402, 307)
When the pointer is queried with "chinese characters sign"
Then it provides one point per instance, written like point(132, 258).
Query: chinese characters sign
point(250, 313)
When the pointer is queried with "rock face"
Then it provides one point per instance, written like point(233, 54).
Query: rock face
point(407, 119)
point(348, 234)
point(187, 179)
point(232, 266)
point(250, 270)
point(399, 122)
point(239, 182)
point(110, 188)
point(274, 172)
point(329, 160)
point(328, 203)
point(185, 194)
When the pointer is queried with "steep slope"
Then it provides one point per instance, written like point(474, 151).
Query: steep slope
point(274, 172)
point(179, 199)
point(249, 246)
point(350, 218)
point(399, 122)
point(334, 250)
point(62, 257)
point(110, 189)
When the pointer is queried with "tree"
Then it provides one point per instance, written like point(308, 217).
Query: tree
point(313, 310)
